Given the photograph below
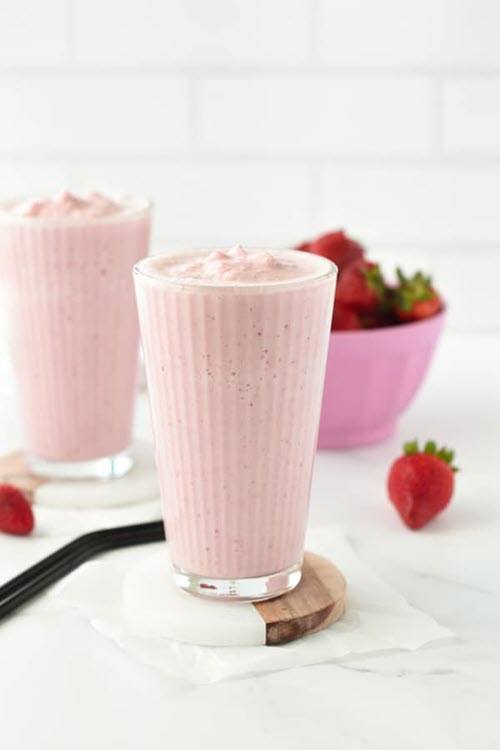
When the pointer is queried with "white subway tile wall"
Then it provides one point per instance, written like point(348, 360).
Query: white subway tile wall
point(314, 115)
point(104, 114)
point(266, 121)
point(33, 33)
point(472, 116)
point(209, 202)
point(185, 32)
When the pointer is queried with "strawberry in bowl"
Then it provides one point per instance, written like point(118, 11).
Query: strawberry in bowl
point(337, 247)
point(382, 342)
point(415, 298)
point(346, 319)
point(361, 287)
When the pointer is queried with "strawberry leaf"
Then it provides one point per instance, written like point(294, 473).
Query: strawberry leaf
point(412, 289)
point(411, 448)
point(375, 280)
point(430, 447)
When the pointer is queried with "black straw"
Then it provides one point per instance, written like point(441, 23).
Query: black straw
point(55, 566)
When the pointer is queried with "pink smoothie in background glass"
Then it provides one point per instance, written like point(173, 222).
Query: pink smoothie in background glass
point(65, 265)
point(235, 346)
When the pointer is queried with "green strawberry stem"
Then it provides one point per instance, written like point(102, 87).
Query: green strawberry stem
point(375, 280)
point(412, 289)
point(430, 447)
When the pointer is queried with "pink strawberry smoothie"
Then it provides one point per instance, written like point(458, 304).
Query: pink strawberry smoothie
point(65, 274)
point(235, 346)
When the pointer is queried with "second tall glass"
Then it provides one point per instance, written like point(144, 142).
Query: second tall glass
point(73, 332)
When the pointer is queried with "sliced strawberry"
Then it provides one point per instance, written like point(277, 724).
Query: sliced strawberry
point(16, 516)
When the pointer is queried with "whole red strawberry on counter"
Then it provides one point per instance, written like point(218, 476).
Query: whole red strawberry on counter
point(415, 298)
point(337, 247)
point(16, 516)
point(361, 286)
point(420, 483)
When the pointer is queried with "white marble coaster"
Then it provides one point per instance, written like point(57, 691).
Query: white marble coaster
point(139, 485)
point(154, 607)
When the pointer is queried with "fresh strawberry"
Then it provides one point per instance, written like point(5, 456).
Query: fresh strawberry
point(361, 286)
point(420, 483)
point(337, 247)
point(345, 318)
point(304, 246)
point(382, 317)
point(16, 516)
point(415, 298)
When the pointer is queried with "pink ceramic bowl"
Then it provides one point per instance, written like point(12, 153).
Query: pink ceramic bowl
point(371, 377)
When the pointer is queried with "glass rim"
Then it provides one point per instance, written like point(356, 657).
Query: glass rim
point(138, 206)
point(182, 283)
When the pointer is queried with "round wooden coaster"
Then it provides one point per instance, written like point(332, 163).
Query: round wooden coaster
point(153, 607)
point(139, 485)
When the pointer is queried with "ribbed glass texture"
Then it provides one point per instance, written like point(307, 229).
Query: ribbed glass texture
point(72, 328)
point(235, 380)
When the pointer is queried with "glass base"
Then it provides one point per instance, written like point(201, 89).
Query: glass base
point(108, 467)
point(239, 589)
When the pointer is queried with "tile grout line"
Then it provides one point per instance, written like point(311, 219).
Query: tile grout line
point(359, 161)
point(230, 71)
point(437, 135)
point(313, 31)
point(316, 198)
point(70, 31)
point(194, 112)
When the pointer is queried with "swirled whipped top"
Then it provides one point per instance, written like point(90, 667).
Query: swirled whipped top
point(236, 266)
point(90, 205)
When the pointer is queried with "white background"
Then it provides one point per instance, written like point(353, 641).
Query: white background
point(266, 121)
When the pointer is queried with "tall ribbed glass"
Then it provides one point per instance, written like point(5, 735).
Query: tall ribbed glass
point(73, 336)
point(235, 376)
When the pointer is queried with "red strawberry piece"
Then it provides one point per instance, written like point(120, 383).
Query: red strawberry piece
point(362, 286)
point(345, 318)
point(420, 483)
point(16, 516)
point(303, 246)
point(380, 318)
point(415, 298)
point(337, 247)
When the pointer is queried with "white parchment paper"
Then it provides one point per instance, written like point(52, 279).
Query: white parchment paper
point(377, 619)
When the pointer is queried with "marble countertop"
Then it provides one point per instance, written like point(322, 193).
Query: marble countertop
point(63, 685)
